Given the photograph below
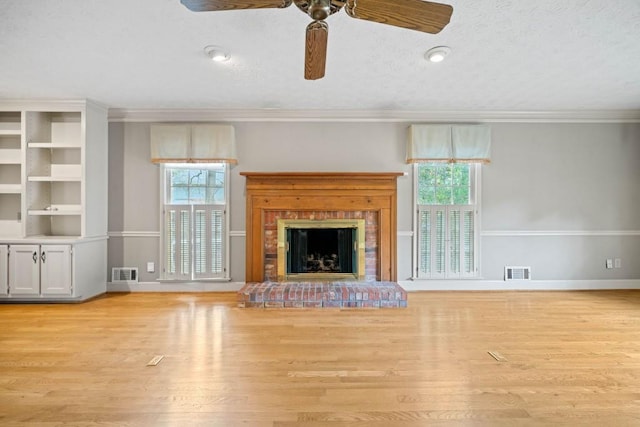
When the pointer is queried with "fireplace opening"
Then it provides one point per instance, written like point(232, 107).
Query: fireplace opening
point(321, 250)
point(326, 249)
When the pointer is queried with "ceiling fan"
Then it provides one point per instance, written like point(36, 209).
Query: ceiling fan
point(416, 15)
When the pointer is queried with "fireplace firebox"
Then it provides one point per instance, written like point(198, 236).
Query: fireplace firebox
point(321, 249)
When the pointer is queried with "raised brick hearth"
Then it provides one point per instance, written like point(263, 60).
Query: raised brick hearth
point(317, 295)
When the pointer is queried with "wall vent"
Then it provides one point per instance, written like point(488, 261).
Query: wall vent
point(124, 275)
point(517, 273)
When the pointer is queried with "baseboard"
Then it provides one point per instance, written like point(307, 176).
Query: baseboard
point(175, 287)
point(408, 285)
point(517, 285)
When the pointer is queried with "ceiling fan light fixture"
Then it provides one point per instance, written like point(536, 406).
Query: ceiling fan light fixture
point(217, 53)
point(437, 54)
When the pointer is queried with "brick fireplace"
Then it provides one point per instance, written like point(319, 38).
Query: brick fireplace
point(319, 196)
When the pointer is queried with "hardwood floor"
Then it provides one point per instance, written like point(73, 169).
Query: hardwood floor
point(572, 358)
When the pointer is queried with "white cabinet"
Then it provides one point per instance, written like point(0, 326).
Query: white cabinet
point(24, 270)
point(40, 270)
point(4, 269)
point(55, 270)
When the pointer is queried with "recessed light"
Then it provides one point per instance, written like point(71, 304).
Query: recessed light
point(437, 54)
point(217, 53)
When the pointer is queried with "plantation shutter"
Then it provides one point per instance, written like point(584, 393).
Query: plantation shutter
point(468, 243)
point(446, 238)
point(207, 223)
point(217, 246)
point(432, 241)
point(208, 241)
point(200, 242)
point(178, 241)
point(424, 242)
point(440, 243)
point(454, 242)
point(461, 241)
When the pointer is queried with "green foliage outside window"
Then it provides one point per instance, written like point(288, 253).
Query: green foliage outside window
point(444, 184)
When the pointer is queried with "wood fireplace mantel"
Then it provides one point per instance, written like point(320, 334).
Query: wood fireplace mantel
point(321, 191)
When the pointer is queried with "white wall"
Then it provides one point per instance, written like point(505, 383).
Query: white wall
point(559, 197)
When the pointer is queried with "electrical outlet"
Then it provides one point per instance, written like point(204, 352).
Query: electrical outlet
point(151, 267)
point(609, 263)
point(617, 263)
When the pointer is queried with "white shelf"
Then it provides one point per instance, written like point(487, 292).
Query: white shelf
point(10, 189)
point(53, 178)
point(52, 145)
point(10, 156)
point(10, 228)
point(10, 128)
point(46, 212)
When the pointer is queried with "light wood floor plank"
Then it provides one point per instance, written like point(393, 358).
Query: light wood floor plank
point(571, 358)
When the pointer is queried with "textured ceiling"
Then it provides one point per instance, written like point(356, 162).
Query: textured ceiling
point(515, 55)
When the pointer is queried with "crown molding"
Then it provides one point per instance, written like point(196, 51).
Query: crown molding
point(279, 115)
point(51, 104)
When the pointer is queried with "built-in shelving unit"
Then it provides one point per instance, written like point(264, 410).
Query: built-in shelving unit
point(53, 190)
point(10, 173)
point(54, 176)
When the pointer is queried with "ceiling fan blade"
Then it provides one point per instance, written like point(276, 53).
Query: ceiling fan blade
point(416, 15)
point(316, 50)
point(211, 5)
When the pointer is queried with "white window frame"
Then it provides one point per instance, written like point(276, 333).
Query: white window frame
point(474, 207)
point(190, 210)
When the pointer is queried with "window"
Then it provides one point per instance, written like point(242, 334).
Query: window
point(195, 226)
point(446, 199)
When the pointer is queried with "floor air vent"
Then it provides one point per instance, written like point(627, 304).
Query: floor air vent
point(124, 275)
point(517, 273)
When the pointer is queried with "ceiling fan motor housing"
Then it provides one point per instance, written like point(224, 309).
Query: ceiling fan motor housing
point(319, 9)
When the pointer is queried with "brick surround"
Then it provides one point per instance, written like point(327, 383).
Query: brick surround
point(322, 295)
point(271, 237)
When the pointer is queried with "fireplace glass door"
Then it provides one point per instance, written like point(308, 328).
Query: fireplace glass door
point(321, 250)
point(327, 249)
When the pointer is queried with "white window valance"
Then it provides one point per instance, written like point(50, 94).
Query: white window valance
point(449, 143)
point(180, 143)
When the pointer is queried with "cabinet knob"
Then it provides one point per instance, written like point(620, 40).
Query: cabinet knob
point(35, 257)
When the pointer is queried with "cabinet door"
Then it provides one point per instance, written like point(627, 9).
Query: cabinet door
point(24, 270)
point(4, 269)
point(55, 269)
